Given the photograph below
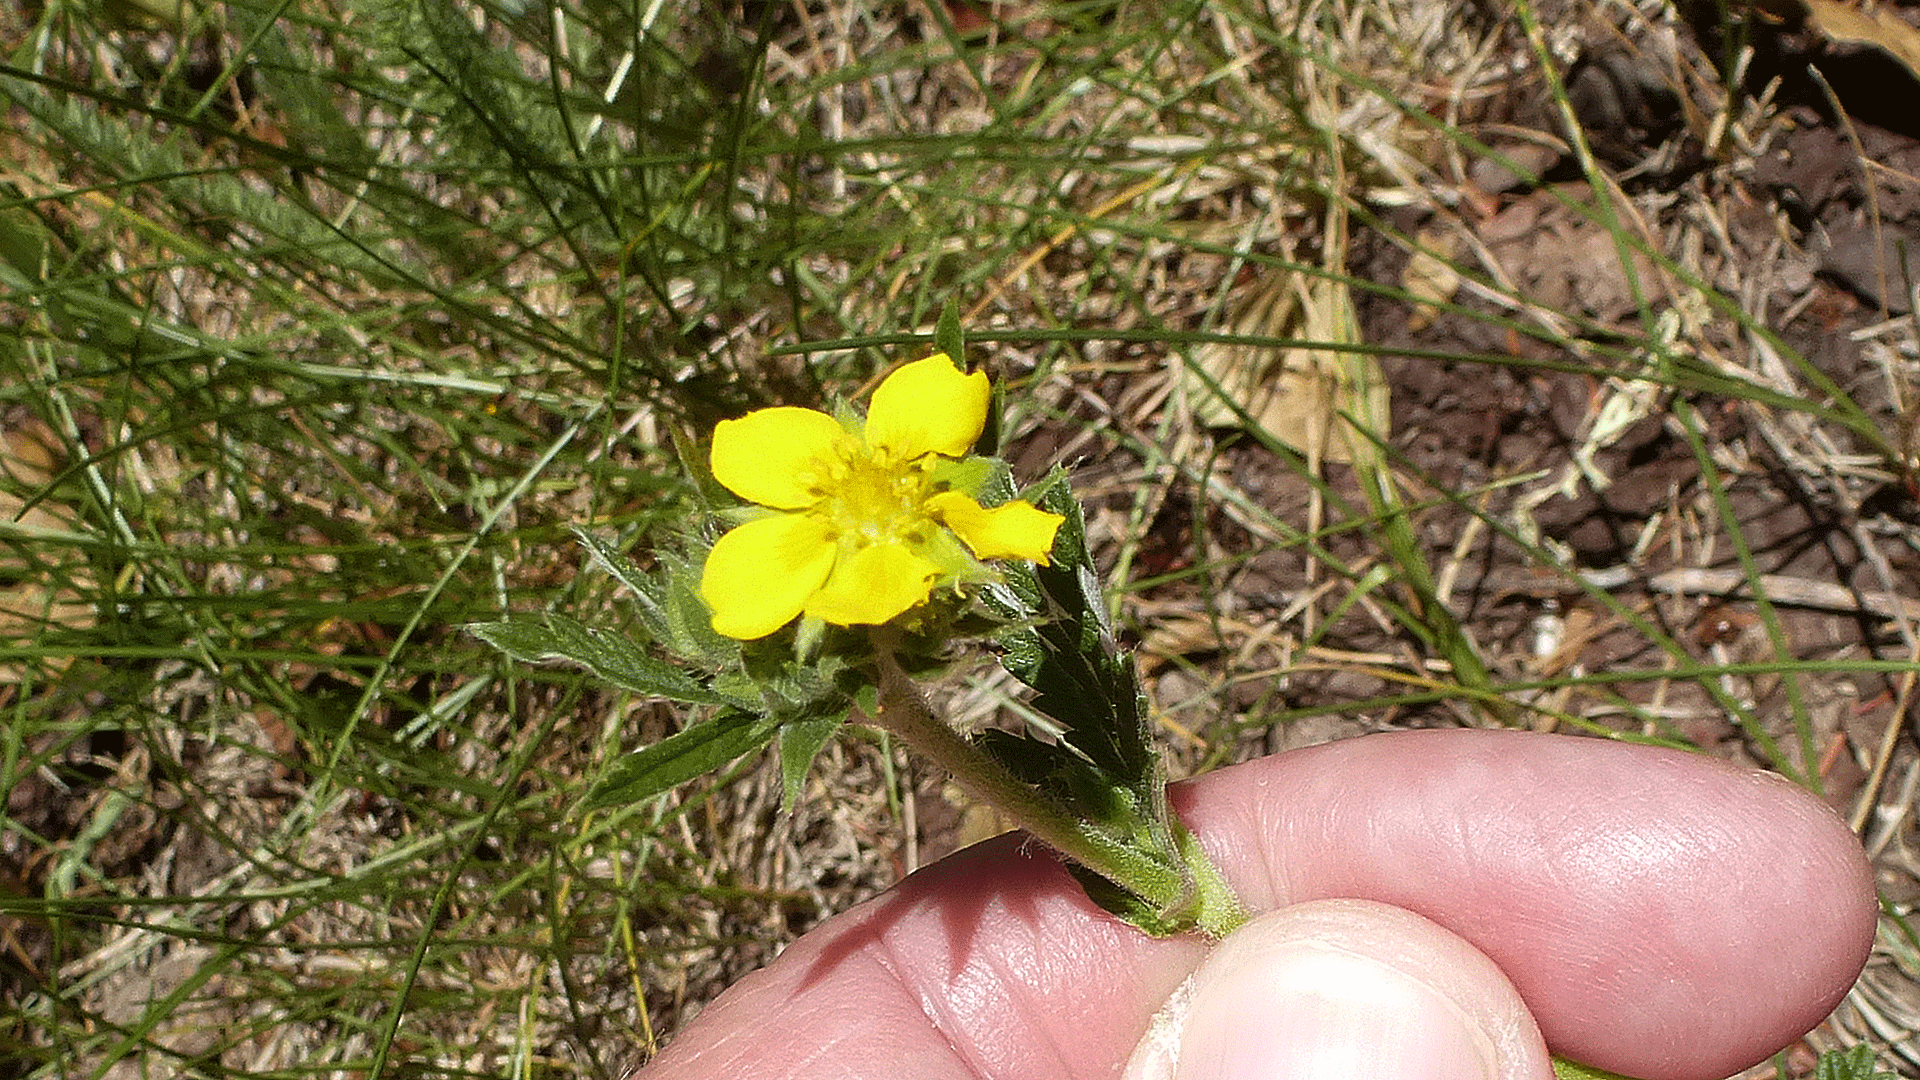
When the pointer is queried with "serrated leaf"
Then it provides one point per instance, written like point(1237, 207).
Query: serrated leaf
point(615, 563)
point(1065, 650)
point(701, 749)
point(1070, 543)
point(801, 742)
point(1102, 767)
point(1032, 762)
point(612, 657)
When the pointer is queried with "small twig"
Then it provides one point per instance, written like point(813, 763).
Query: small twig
point(1889, 738)
point(1780, 589)
point(1792, 591)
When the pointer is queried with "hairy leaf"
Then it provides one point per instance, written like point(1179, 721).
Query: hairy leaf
point(700, 749)
point(612, 657)
point(800, 742)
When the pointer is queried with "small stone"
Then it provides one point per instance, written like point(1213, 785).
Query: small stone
point(1524, 163)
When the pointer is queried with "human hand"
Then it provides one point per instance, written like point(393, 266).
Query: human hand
point(1443, 904)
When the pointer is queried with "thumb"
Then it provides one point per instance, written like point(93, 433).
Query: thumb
point(1343, 988)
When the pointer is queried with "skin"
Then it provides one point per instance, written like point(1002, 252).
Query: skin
point(1659, 914)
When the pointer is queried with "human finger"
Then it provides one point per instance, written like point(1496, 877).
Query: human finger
point(1343, 988)
point(1665, 915)
point(1651, 906)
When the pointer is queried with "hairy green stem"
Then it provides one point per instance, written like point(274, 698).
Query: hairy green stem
point(904, 712)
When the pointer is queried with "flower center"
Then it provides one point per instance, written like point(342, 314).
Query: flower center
point(871, 497)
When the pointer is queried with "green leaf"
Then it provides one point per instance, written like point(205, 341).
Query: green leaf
point(612, 657)
point(700, 749)
point(948, 337)
point(668, 602)
point(1063, 647)
point(1032, 762)
point(25, 242)
point(1119, 808)
point(1101, 766)
point(800, 742)
point(1856, 1063)
point(689, 620)
point(1573, 1070)
point(615, 563)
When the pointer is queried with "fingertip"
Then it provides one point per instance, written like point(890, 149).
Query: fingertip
point(1343, 988)
point(1663, 914)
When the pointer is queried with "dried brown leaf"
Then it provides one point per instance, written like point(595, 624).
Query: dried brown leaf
point(1880, 28)
point(1430, 277)
point(1298, 394)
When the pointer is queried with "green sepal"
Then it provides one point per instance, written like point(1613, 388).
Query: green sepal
point(703, 748)
point(611, 656)
point(807, 636)
point(850, 418)
point(968, 475)
point(738, 690)
point(793, 687)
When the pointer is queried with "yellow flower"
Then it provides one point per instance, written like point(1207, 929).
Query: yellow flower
point(864, 519)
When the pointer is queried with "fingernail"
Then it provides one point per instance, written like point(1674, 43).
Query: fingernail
point(1311, 1011)
point(1337, 989)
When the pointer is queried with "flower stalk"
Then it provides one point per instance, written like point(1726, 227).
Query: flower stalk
point(1176, 892)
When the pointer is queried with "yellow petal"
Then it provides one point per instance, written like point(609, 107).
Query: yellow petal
point(772, 456)
point(1015, 530)
point(873, 585)
point(928, 406)
point(759, 575)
